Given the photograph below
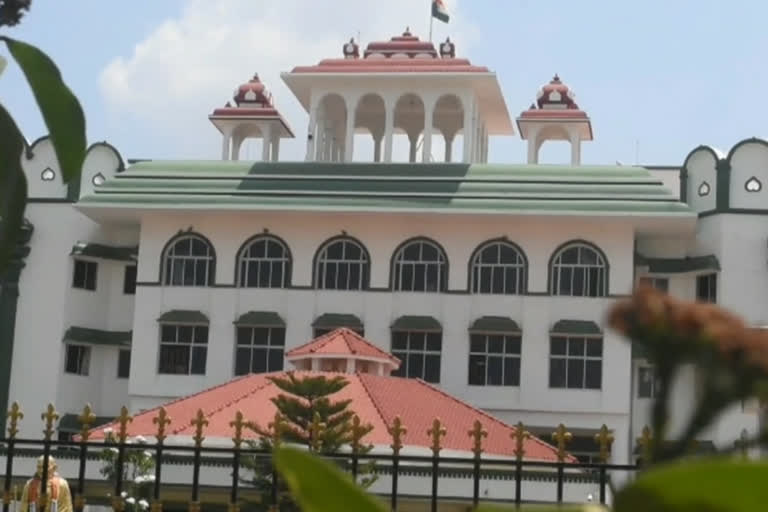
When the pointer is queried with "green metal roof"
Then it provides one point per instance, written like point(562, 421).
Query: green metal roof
point(335, 320)
point(261, 319)
point(97, 337)
point(679, 265)
point(183, 316)
point(106, 252)
point(494, 324)
point(585, 327)
point(416, 323)
point(325, 186)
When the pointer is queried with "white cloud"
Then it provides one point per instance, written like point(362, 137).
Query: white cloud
point(191, 64)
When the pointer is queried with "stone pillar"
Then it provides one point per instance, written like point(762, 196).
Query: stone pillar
point(266, 143)
point(237, 141)
point(575, 149)
point(225, 143)
point(414, 141)
point(349, 135)
point(468, 131)
point(428, 121)
point(448, 146)
point(9, 297)
point(350, 365)
point(389, 129)
point(533, 146)
point(276, 146)
point(312, 134)
point(377, 148)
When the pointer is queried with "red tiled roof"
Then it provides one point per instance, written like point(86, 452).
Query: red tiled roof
point(377, 400)
point(342, 342)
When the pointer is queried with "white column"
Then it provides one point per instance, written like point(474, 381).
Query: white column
point(377, 148)
point(429, 110)
point(237, 141)
point(469, 119)
point(413, 141)
point(449, 147)
point(315, 364)
point(266, 142)
point(575, 149)
point(312, 133)
point(389, 129)
point(329, 142)
point(349, 132)
point(533, 146)
point(225, 142)
point(276, 146)
point(350, 365)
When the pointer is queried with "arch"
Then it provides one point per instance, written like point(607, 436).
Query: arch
point(448, 117)
point(169, 276)
point(514, 275)
point(351, 270)
point(370, 113)
point(331, 128)
point(273, 270)
point(419, 271)
point(588, 269)
point(409, 115)
point(105, 144)
point(751, 140)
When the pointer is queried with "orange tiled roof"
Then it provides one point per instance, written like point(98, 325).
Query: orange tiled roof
point(377, 400)
point(342, 342)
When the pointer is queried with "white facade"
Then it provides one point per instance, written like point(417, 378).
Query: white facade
point(731, 230)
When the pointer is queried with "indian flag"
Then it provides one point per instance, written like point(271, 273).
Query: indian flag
point(439, 11)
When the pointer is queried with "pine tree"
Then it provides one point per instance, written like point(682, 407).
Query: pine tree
point(307, 415)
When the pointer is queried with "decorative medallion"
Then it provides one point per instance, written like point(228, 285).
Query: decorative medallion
point(48, 174)
point(753, 185)
point(704, 189)
point(98, 180)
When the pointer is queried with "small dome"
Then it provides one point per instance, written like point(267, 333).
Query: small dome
point(252, 92)
point(556, 94)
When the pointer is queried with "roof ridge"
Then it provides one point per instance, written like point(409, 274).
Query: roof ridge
point(359, 338)
point(320, 340)
point(482, 413)
point(372, 397)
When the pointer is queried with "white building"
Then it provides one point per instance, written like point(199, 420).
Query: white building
point(154, 280)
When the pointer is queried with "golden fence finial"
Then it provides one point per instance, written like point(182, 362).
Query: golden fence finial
point(397, 431)
point(86, 419)
point(14, 416)
point(49, 417)
point(162, 420)
point(316, 430)
point(358, 431)
point(437, 432)
point(199, 422)
point(237, 424)
point(561, 437)
point(276, 426)
point(477, 434)
point(604, 440)
point(645, 442)
point(123, 420)
point(520, 435)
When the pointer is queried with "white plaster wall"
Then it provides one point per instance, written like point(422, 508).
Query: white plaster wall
point(701, 167)
point(750, 159)
point(42, 157)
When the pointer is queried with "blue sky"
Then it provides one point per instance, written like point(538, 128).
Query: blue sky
point(658, 76)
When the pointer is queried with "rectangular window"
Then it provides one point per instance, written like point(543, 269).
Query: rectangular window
point(259, 350)
point(84, 276)
point(183, 349)
point(706, 288)
point(659, 283)
point(129, 280)
point(77, 359)
point(123, 364)
point(494, 360)
point(647, 383)
point(575, 362)
point(419, 353)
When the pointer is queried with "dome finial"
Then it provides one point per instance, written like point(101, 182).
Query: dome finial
point(556, 79)
point(407, 31)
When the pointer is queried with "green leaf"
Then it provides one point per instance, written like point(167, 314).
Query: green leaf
point(13, 187)
point(61, 111)
point(318, 486)
point(710, 485)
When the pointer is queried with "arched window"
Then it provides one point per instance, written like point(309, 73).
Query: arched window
point(420, 266)
point(342, 264)
point(264, 262)
point(498, 267)
point(189, 261)
point(579, 270)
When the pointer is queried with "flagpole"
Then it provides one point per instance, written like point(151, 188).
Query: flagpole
point(431, 20)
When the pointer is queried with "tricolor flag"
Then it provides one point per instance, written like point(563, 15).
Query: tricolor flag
point(439, 11)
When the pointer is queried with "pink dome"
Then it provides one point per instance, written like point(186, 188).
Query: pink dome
point(253, 91)
point(556, 94)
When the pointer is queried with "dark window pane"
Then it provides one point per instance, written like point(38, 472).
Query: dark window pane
point(477, 343)
point(578, 280)
point(201, 334)
point(174, 359)
point(416, 365)
point(129, 280)
point(243, 335)
point(168, 333)
point(557, 346)
point(588, 256)
point(575, 373)
point(242, 361)
point(511, 371)
point(564, 287)
point(496, 344)
point(429, 253)
point(185, 333)
point(594, 347)
point(352, 252)
point(645, 379)
point(406, 278)
point(399, 340)
point(556, 373)
point(330, 276)
point(401, 372)
point(275, 250)
point(199, 355)
point(275, 360)
point(264, 274)
point(434, 341)
point(512, 345)
point(354, 277)
point(78, 279)
point(277, 337)
point(199, 248)
point(188, 269)
point(432, 371)
point(490, 254)
point(514, 280)
point(183, 247)
point(485, 280)
point(261, 335)
point(417, 340)
point(335, 251)
point(594, 374)
point(495, 369)
point(570, 255)
point(477, 370)
point(576, 346)
point(90, 275)
point(201, 273)
point(259, 362)
point(124, 364)
point(276, 275)
point(498, 280)
point(411, 252)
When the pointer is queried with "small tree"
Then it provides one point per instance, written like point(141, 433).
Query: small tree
point(138, 470)
point(307, 416)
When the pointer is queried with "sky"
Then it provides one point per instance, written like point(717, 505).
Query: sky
point(657, 77)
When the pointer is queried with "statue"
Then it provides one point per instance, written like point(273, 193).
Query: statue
point(59, 497)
